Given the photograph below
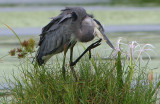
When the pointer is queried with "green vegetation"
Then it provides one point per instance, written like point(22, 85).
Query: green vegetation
point(118, 17)
point(99, 81)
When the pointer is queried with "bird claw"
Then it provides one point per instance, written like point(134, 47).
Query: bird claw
point(97, 43)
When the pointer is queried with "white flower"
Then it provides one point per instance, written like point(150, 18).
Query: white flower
point(131, 50)
point(134, 50)
point(144, 49)
point(117, 48)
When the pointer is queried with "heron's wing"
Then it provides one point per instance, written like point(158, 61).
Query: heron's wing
point(54, 24)
point(54, 36)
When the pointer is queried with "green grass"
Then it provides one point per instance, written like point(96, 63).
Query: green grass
point(98, 82)
point(108, 17)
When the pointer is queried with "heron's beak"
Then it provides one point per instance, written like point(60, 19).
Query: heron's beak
point(102, 35)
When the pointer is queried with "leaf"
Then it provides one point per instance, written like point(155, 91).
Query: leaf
point(119, 71)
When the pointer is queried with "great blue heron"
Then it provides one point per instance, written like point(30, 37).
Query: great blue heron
point(73, 24)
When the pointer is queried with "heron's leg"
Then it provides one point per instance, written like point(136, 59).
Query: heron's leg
point(64, 58)
point(90, 54)
point(71, 61)
point(63, 66)
point(93, 45)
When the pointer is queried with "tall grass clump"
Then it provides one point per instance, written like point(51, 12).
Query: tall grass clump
point(98, 82)
point(120, 80)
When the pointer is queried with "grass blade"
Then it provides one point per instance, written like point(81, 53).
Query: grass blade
point(14, 33)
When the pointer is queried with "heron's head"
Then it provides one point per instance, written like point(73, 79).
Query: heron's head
point(99, 31)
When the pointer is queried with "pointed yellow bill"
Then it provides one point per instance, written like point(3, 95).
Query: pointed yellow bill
point(101, 35)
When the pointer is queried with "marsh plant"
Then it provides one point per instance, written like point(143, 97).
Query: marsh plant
point(120, 80)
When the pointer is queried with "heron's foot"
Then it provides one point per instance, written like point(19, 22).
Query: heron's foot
point(97, 43)
point(94, 45)
point(63, 72)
